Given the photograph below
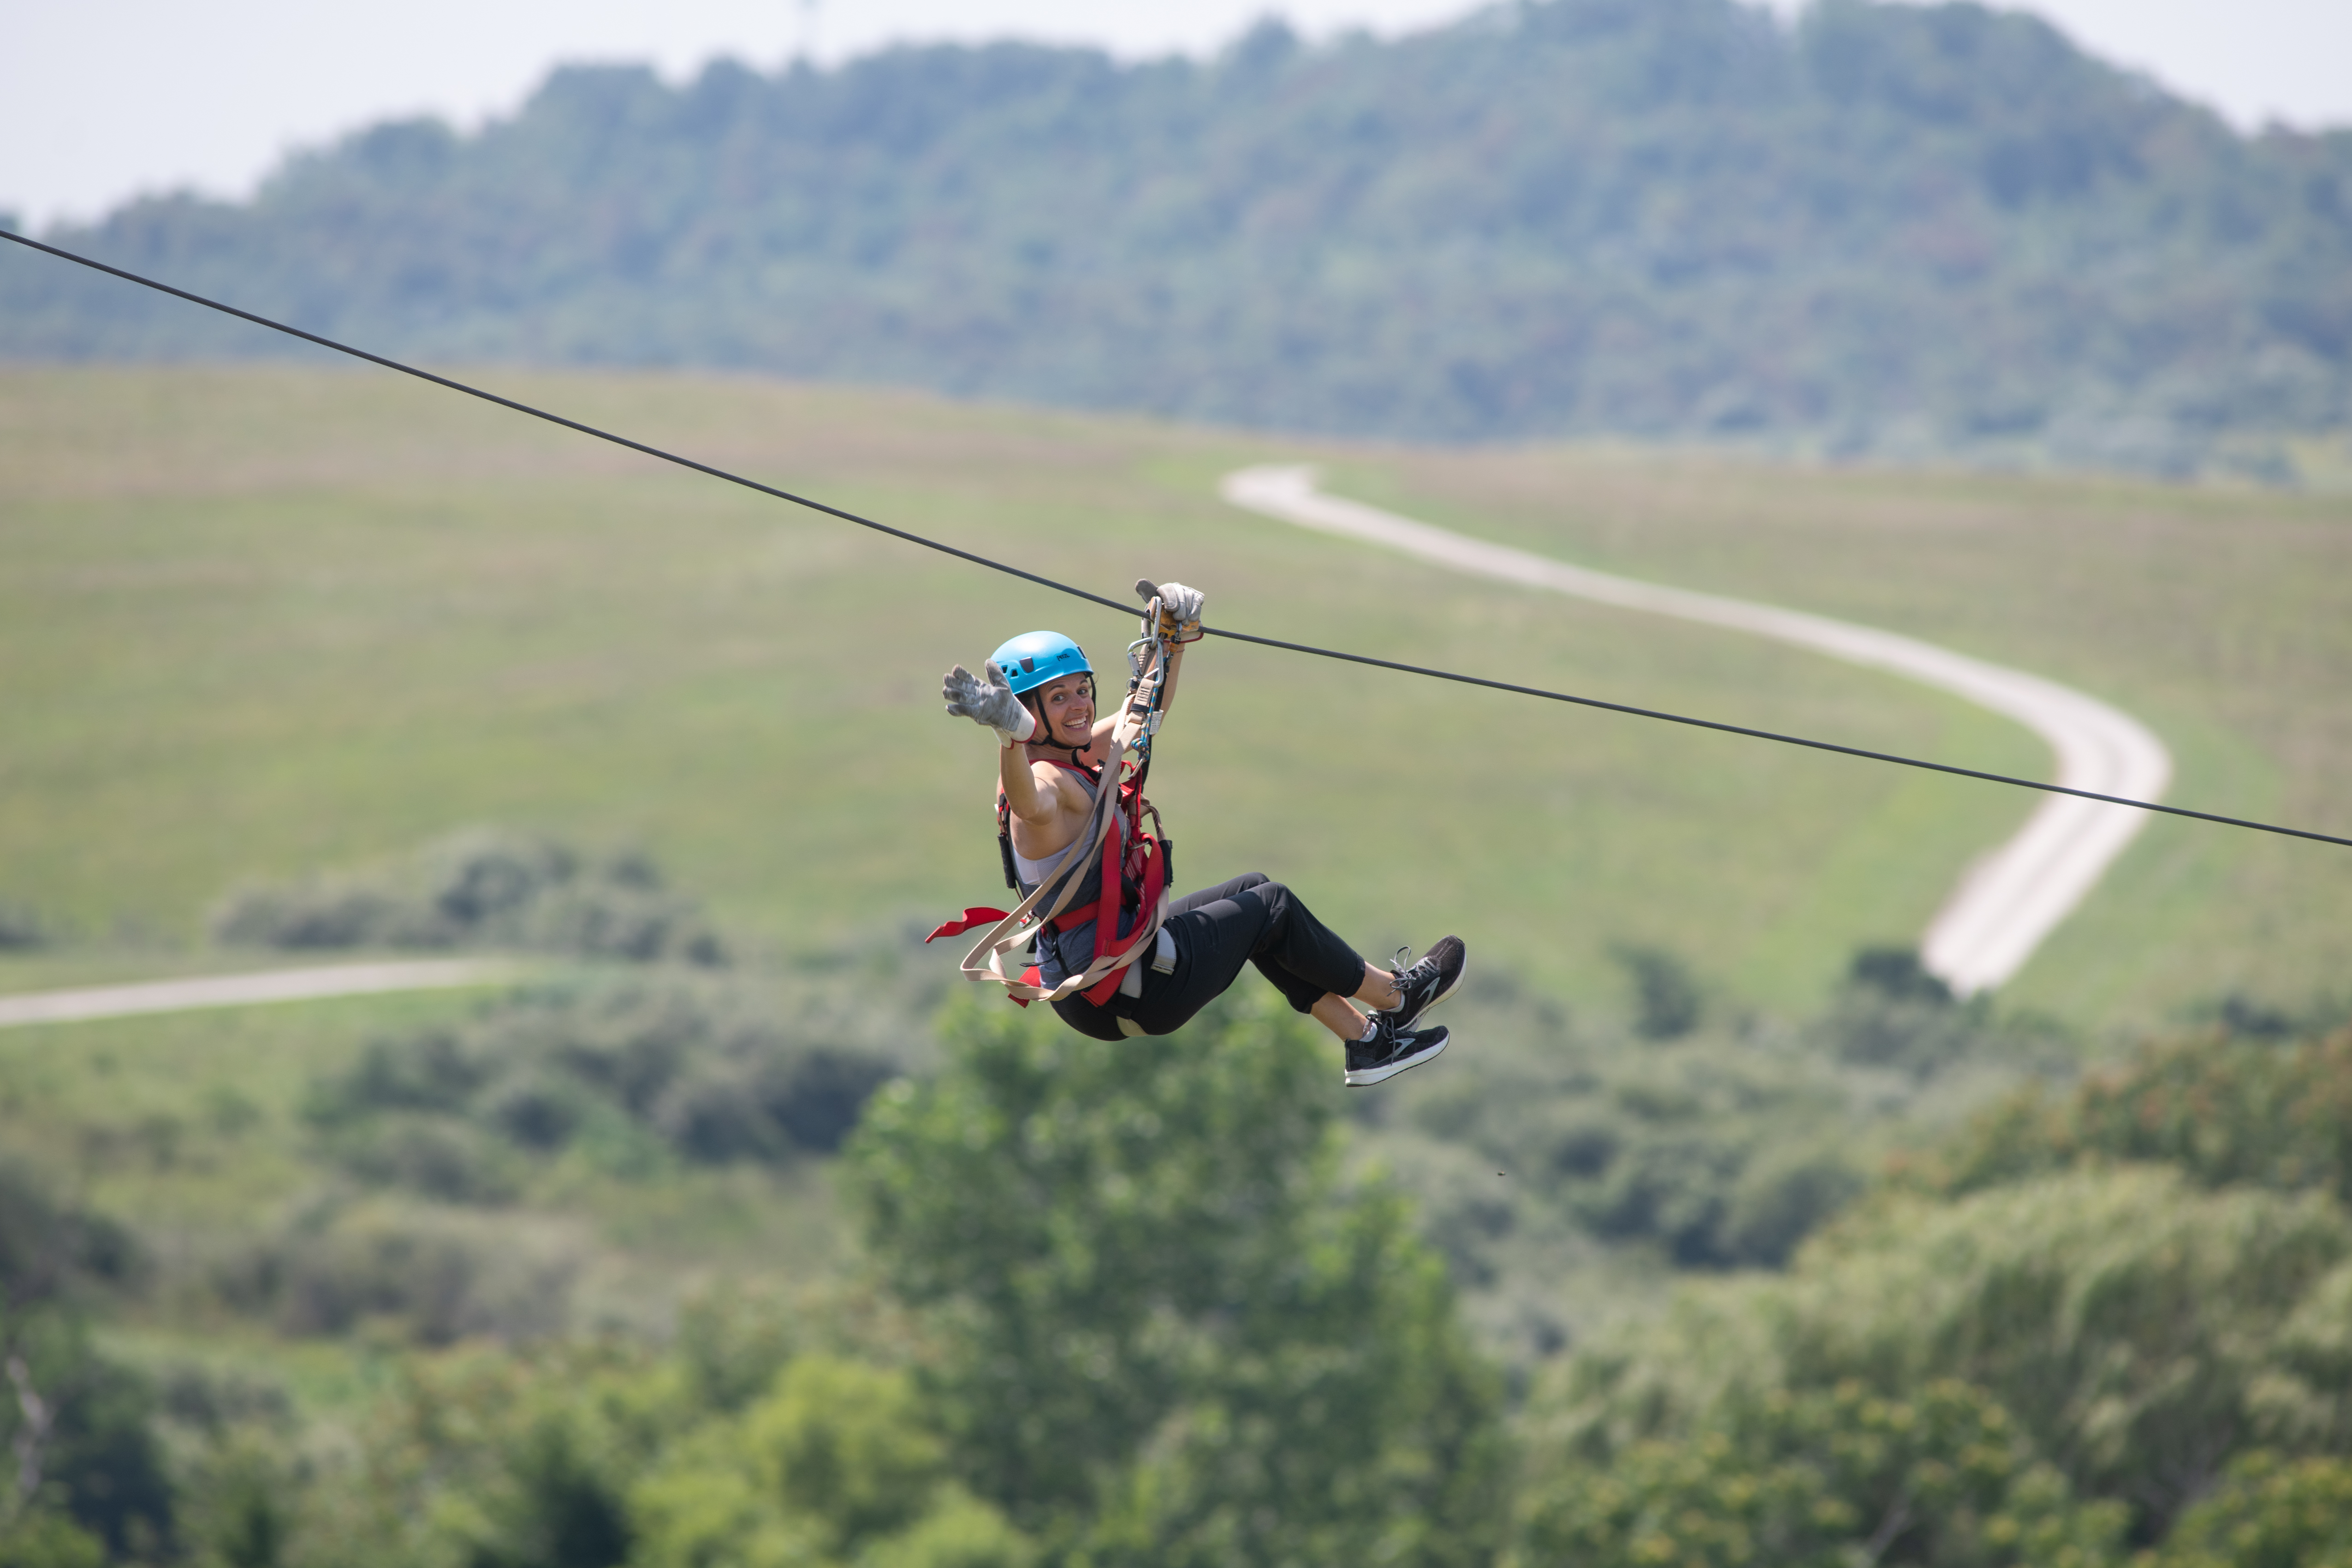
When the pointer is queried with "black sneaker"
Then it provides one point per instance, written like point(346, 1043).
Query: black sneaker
point(1390, 1050)
point(1431, 981)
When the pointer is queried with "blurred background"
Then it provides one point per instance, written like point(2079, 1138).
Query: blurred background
point(630, 1184)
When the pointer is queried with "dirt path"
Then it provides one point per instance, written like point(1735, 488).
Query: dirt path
point(2012, 897)
point(246, 990)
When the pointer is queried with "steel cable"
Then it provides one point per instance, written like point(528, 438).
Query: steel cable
point(662, 455)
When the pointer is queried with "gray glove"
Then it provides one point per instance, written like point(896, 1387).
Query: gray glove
point(1179, 609)
point(989, 702)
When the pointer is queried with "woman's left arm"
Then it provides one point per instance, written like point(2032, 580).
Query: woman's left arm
point(1175, 668)
point(1105, 743)
point(1179, 623)
point(1168, 699)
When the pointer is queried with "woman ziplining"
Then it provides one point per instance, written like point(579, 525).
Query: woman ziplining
point(1116, 956)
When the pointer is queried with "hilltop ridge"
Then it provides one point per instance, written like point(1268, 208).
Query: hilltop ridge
point(1876, 229)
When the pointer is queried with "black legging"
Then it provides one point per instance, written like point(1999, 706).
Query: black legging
point(1216, 931)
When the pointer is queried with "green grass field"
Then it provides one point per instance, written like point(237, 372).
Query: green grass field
point(255, 621)
point(258, 622)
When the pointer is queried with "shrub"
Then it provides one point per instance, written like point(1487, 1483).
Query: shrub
point(440, 1156)
point(715, 1117)
point(1674, 1188)
point(1822, 1478)
point(1892, 1013)
point(816, 1096)
point(732, 1342)
point(49, 1249)
point(46, 1540)
point(2270, 1512)
point(1667, 1001)
point(480, 889)
point(1718, 1153)
point(482, 1457)
point(708, 1075)
point(1896, 973)
point(558, 1502)
point(1782, 1197)
point(21, 929)
point(2139, 1330)
point(243, 1503)
point(2221, 1107)
point(77, 1424)
point(435, 1277)
point(540, 1109)
point(431, 1072)
point(835, 1464)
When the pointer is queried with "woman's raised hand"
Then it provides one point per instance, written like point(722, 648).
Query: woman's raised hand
point(988, 701)
point(1179, 609)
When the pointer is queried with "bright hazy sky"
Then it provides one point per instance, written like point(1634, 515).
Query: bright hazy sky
point(101, 99)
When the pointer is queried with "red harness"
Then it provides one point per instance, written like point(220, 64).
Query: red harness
point(1133, 876)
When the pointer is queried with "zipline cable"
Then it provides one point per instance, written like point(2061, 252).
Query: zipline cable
point(618, 440)
point(645, 449)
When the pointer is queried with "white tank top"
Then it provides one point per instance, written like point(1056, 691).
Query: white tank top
point(1033, 873)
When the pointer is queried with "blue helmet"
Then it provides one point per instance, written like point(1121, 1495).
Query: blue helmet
point(1033, 658)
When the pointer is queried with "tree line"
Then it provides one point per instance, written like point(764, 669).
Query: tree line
point(1135, 1307)
point(1878, 228)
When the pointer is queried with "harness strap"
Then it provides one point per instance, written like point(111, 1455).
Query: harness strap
point(1155, 888)
point(1056, 897)
point(1059, 894)
point(1051, 900)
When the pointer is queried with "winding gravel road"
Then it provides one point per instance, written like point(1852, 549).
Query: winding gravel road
point(2006, 903)
point(2012, 898)
point(247, 990)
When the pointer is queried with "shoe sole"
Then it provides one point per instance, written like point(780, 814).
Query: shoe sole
point(1451, 986)
point(1367, 1077)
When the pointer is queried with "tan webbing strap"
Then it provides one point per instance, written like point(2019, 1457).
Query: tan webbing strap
point(1058, 893)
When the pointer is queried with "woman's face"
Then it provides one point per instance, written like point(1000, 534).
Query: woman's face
point(1068, 707)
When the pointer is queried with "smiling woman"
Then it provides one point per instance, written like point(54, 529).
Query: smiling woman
point(1115, 955)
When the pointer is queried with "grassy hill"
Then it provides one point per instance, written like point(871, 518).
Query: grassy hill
point(259, 621)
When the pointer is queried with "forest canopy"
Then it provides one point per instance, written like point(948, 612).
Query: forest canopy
point(1876, 228)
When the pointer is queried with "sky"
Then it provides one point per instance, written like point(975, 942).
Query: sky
point(103, 99)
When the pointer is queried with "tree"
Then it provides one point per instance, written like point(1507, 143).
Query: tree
point(1822, 1478)
point(836, 1464)
point(2140, 1332)
point(73, 1423)
point(1166, 1329)
point(2222, 1106)
point(1881, 225)
point(486, 1459)
point(2270, 1512)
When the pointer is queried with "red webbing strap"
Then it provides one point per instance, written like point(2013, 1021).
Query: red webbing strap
point(1106, 915)
point(1114, 866)
point(1052, 899)
point(1155, 888)
point(964, 922)
point(1116, 786)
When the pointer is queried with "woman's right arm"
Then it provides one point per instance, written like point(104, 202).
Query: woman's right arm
point(991, 702)
point(1036, 806)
